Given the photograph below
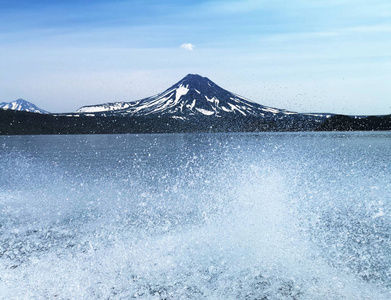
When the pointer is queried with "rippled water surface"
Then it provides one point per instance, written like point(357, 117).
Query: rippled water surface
point(196, 216)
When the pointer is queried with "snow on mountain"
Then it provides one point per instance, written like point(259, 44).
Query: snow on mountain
point(192, 96)
point(22, 105)
point(104, 107)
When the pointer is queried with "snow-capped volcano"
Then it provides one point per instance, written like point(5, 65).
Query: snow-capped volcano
point(22, 105)
point(192, 96)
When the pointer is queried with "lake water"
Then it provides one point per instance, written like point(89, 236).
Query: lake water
point(196, 216)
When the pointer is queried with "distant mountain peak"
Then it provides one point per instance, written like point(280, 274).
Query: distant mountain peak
point(190, 97)
point(22, 105)
point(197, 82)
point(193, 76)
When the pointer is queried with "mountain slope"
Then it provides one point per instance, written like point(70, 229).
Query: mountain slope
point(22, 105)
point(191, 97)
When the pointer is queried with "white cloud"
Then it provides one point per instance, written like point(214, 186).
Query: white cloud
point(188, 46)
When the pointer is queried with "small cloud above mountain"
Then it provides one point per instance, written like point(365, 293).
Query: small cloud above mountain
point(188, 46)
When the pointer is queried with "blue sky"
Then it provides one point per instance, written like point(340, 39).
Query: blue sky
point(305, 55)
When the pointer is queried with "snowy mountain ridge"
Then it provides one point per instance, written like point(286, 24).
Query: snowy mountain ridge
point(22, 105)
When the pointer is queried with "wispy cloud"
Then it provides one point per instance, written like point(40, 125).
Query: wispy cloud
point(371, 29)
point(236, 7)
point(188, 46)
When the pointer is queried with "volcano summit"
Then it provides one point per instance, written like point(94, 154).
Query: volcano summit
point(199, 103)
point(193, 96)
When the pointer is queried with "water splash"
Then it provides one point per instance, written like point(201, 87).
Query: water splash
point(208, 217)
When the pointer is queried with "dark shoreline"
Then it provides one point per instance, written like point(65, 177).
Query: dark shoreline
point(27, 123)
